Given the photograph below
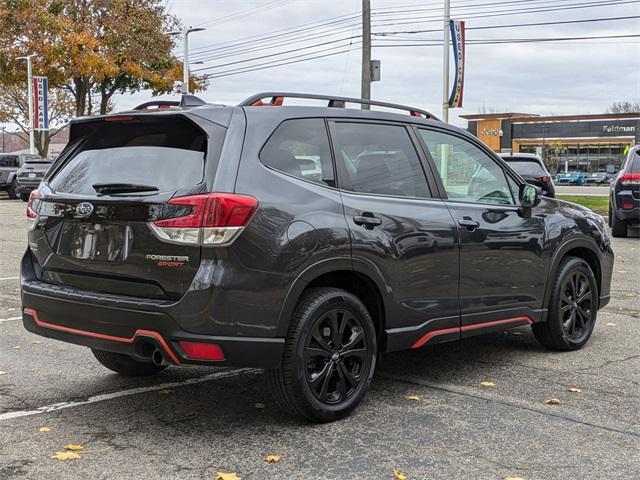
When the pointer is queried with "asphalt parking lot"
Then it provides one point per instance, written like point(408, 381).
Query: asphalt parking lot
point(189, 423)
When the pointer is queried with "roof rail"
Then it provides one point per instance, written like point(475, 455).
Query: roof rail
point(277, 99)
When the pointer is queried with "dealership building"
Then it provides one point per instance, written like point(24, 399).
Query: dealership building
point(586, 143)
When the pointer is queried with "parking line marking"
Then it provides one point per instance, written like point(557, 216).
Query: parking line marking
point(2, 320)
point(9, 278)
point(123, 393)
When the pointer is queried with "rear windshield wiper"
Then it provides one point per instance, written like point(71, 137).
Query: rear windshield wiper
point(108, 188)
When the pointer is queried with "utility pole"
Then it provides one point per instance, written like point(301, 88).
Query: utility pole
point(185, 53)
point(445, 62)
point(32, 140)
point(365, 89)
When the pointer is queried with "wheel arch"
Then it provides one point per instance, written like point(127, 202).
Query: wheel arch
point(340, 273)
point(574, 248)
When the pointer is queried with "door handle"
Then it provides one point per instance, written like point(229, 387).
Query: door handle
point(367, 220)
point(469, 224)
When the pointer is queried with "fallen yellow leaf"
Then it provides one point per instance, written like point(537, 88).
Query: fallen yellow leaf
point(574, 390)
point(227, 476)
point(17, 347)
point(413, 397)
point(622, 271)
point(3, 373)
point(552, 401)
point(36, 342)
point(44, 429)
point(487, 384)
point(259, 405)
point(629, 294)
point(272, 458)
point(74, 447)
point(513, 478)
point(165, 392)
point(612, 324)
point(398, 475)
point(66, 456)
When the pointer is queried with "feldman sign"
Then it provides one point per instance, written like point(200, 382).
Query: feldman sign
point(40, 103)
point(457, 39)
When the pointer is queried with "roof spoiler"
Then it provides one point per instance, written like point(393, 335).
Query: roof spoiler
point(277, 99)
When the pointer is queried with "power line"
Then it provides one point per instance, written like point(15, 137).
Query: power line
point(513, 25)
point(245, 13)
point(496, 41)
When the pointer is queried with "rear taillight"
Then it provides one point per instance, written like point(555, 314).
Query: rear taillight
point(630, 179)
point(208, 219)
point(32, 208)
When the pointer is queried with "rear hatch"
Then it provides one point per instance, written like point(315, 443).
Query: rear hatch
point(32, 172)
point(97, 205)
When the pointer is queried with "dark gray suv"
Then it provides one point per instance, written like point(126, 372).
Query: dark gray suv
point(303, 240)
point(10, 163)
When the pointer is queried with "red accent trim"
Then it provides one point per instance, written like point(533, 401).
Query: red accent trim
point(434, 333)
point(416, 114)
point(85, 333)
point(444, 331)
point(274, 102)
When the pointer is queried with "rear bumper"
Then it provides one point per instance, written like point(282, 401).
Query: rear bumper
point(631, 215)
point(102, 322)
point(26, 187)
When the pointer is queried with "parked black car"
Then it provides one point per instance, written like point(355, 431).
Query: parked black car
point(30, 174)
point(303, 240)
point(532, 169)
point(10, 163)
point(624, 199)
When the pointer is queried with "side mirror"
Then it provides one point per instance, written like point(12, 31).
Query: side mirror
point(529, 195)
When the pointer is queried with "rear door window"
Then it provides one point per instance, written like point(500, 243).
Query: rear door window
point(378, 159)
point(8, 160)
point(167, 153)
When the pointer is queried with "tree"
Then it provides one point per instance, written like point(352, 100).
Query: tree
point(92, 48)
point(551, 155)
point(14, 105)
point(625, 106)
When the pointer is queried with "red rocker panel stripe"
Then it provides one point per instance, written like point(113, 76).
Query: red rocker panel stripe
point(85, 333)
point(434, 333)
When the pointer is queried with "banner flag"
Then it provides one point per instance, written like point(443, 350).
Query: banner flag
point(40, 103)
point(457, 39)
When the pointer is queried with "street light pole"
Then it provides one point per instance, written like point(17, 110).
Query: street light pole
point(445, 62)
point(3, 130)
point(32, 140)
point(185, 53)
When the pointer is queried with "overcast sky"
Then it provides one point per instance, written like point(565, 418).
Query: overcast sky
point(545, 78)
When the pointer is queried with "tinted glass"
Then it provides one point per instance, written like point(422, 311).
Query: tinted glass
point(300, 148)
point(527, 167)
point(166, 153)
point(468, 173)
point(8, 160)
point(379, 159)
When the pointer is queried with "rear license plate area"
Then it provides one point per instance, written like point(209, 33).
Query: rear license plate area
point(97, 242)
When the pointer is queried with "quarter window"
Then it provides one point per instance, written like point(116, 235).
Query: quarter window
point(468, 174)
point(300, 148)
point(379, 159)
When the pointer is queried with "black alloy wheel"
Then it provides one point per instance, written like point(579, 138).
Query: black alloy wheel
point(335, 356)
point(576, 308)
point(329, 356)
point(573, 307)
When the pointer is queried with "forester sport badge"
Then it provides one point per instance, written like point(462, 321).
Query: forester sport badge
point(84, 209)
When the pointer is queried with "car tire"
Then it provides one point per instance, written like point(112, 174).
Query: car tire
point(126, 365)
point(24, 197)
point(329, 357)
point(618, 227)
point(573, 307)
point(11, 191)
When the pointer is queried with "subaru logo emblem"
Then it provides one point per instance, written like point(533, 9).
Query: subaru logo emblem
point(84, 209)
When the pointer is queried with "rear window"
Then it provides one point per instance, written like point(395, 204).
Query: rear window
point(167, 153)
point(526, 167)
point(634, 167)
